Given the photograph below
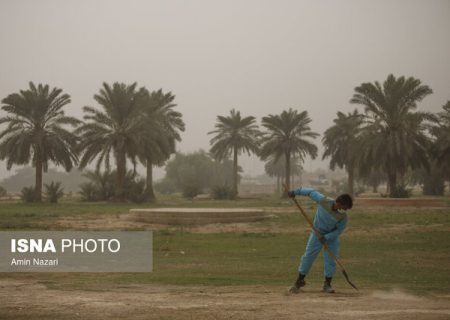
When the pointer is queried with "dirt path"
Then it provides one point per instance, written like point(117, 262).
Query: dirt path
point(128, 222)
point(31, 300)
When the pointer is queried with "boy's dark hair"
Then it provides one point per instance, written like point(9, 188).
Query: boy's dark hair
point(346, 200)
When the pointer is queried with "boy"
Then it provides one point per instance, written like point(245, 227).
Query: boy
point(330, 220)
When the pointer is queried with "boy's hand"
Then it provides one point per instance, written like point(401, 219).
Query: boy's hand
point(291, 194)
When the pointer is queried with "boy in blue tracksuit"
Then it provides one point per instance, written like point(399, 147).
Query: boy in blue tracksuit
point(330, 220)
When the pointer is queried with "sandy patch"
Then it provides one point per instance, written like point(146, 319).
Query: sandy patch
point(31, 300)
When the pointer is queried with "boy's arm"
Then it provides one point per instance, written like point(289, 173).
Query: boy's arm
point(340, 227)
point(309, 192)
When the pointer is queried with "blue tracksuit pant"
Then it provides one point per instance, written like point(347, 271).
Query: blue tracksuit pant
point(313, 248)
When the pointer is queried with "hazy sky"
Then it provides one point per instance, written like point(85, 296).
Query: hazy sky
point(260, 57)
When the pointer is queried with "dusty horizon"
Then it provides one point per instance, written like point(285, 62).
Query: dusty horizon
point(259, 57)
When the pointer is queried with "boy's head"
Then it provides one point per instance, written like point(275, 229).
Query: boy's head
point(344, 202)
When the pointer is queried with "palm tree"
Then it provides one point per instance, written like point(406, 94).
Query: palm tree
point(162, 131)
point(341, 143)
point(116, 130)
point(394, 138)
point(234, 135)
point(36, 131)
point(441, 149)
point(444, 116)
point(288, 135)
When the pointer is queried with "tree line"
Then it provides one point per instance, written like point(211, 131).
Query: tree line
point(387, 138)
point(131, 124)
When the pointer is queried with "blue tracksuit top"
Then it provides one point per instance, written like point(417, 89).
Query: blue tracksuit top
point(329, 223)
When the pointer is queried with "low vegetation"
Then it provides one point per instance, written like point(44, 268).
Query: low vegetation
point(382, 247)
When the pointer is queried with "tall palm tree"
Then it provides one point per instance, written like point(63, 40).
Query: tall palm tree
point(162, 131)
point(37, 131)
point(288, 134)
point(441, 149)
point(114, 131)
point(341, 142)
point(395, 138)
point(233, 135)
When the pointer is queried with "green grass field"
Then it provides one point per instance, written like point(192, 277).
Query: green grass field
point(382, 248)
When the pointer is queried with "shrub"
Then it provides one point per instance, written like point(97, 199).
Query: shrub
point(224, 192)
point(136, 190)
point(103, 184)
point(27, 194)
point(401, 192)
point(53, 191)
point(101, 187)
point(87, 191)
point(193, 172)
point(166, 186)
point(190, 191)
point(3, 192)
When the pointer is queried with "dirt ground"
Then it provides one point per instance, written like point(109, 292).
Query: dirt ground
point(32, 300)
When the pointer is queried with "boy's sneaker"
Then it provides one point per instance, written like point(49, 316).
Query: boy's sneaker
point(327, 286)
point(297, 285)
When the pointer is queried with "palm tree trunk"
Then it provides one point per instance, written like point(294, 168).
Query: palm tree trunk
point(235, 171)
point(278, 184)
point(402, 179)
point(288, 171)
point(351, 179)
point(149, 182)
point(392, 183)
point(38, 185)
point(374, 188)
point(121, 172)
